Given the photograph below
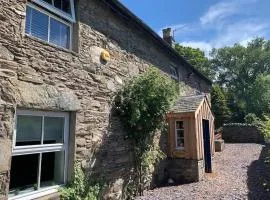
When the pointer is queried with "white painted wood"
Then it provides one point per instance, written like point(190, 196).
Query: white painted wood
point(36, 194)
point(42, 148)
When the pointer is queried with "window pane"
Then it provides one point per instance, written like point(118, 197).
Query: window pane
point(53, 130)
point(23, 174)
point(174, 72)
point(179, 125)
point(180, 133)
point(60, 33)
point(52, 169)
point(63, 5)
point(180, 142)
point(37, 24)
point(29, 130)
point(28, 19)
point(48, 1)
point(66, 6)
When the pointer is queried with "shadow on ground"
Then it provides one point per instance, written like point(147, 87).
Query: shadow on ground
point(259, 176)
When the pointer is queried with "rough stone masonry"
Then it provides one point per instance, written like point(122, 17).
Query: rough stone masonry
point(36, 75)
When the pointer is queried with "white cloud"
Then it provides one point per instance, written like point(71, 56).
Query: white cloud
point(227, 22)
point(218, 12)
point(222, 10)
point(240, 32)
point(202, 45)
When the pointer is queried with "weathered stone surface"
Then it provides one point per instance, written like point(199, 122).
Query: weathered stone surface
point(115, 191)
point(111, 86)
point(95, 53)
point(6, 122)
point(5, 53)
point(179, 170)
point(4, 183)
point(6, 73)
point(219, 145)
point(46, 97)
point(5, 155)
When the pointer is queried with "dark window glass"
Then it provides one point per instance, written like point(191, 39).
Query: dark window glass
point(53, 130)
point(48, 1)
point(174, 72)
point(180, 133)
point(29, 130)
point(63, 5)
point(28, 19)
point(37, 23)
point(180, 142)
point(60, 34)
point(179, 125)
point(24, 173)
point(52, 169)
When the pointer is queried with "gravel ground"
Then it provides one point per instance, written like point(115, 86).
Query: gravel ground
point(240, 173)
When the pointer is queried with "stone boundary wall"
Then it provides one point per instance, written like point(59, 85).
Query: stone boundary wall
point(242, 133)
point(180, 170)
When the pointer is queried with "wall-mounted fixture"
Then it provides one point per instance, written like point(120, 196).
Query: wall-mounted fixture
point(105, 56)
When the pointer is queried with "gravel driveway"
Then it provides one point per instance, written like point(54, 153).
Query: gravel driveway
point(240, 174)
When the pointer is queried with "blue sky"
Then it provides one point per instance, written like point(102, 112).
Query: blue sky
point(206, 23)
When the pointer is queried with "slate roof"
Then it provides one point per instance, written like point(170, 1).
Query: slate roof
point(128, 16)
point(187, 104)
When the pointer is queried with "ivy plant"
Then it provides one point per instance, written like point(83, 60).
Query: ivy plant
point(142, 104)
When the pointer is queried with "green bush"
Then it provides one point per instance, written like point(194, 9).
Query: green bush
point(144, 101)
point(252, 119)
point(266, 127)
point(81, 188)
point(142, 105)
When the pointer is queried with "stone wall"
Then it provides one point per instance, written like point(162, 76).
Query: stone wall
point(242, 133)
point(179, 170)
point(40, 76)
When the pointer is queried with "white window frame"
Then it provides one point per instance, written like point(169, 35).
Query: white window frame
point(42, 148)
point(49, 27)
point(174, 70)
point(67, 16)
point(175, 130)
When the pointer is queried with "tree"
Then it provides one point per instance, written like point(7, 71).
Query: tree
point(197, 58)
point(259, 100)
point(236, 69)
point(219, 106)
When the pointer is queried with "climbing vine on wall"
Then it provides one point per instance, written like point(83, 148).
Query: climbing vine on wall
point(142, 104)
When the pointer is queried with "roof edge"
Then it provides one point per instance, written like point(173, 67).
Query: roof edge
point(117, 6)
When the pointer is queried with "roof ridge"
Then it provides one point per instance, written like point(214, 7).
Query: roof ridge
point(126, 13)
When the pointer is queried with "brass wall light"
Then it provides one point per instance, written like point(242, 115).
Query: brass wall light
point(105, 56)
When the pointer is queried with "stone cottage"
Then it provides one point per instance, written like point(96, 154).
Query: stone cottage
point(61, 62)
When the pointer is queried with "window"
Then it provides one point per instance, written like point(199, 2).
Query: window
point(179, 135)
point(39, 156)
point(45, 27)
point(174, 72)
point(62, 8)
